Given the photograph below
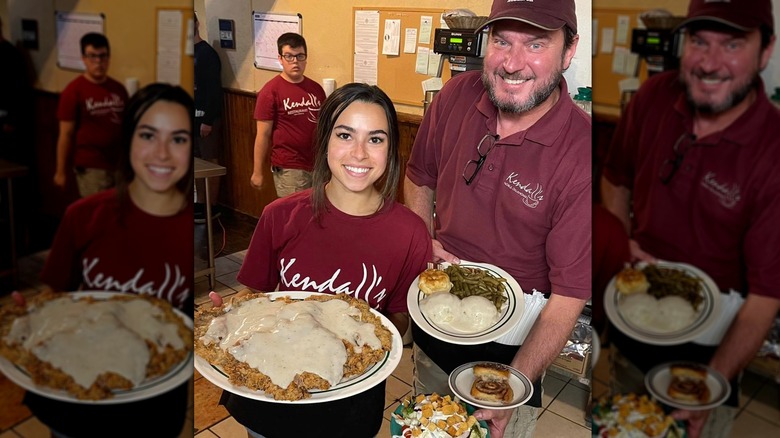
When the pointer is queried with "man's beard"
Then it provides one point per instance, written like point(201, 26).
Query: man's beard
point(536, 98)
point(732, 100)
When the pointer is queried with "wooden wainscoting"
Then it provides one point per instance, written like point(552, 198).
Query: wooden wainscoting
point(238, 139)
point(408, 125)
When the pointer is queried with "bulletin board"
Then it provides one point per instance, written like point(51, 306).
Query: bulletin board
point(175, 61)
point(395, 74)
point(605, 80)
point(267, 29)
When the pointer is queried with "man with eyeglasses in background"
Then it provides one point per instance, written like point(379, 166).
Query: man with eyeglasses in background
point(507, 155)
point(287, 110)
point(90, 121)
point(692, 173)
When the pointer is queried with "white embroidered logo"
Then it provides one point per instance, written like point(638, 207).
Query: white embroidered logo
point(530, 192)
point(728, 194)
point(170, 289)
point(297, 282)
point(311, 106)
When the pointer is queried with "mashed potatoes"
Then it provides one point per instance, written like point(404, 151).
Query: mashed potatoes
point(470, 315)
point(665, 315)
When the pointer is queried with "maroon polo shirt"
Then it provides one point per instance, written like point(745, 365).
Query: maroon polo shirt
point(721, 209)
point(528, 211)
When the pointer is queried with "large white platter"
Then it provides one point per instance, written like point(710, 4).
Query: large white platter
point(346, 388)
point(510, 314)
point(707, 314)
point(147, 389)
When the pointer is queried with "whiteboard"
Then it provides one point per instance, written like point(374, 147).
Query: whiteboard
point(267, 29)
point(70, 28)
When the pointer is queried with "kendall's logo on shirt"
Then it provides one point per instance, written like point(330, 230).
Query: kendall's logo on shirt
point(728, 194)
point(531, 193)
point(311, 106)
point(109, 105)
point(171, 289)
point(370, 284)
point(114, 101)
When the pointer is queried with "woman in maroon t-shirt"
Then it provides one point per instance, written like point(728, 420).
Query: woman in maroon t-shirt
point(331, 235)
point(129, 240)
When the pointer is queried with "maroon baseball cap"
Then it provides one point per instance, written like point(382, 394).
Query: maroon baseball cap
point(545, 14)
point(743, 15)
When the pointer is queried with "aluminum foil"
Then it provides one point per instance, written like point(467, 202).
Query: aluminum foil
point(580, 340)
point(771, 346)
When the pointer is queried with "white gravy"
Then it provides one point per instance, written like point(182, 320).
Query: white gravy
point(85, 340)
point(281, 340)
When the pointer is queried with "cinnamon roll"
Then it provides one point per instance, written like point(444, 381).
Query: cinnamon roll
point(688, 383)
point(491, 383)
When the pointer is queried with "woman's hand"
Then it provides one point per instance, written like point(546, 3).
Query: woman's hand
point(18, 299)
point(216, 299)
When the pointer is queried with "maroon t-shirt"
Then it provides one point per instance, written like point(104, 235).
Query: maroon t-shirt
point(97, 112)
point(721, 209)
point(375, 258)
point(528, 211)
point(294, 110)
point(98, 248)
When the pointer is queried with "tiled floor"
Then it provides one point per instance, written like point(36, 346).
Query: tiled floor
point(564, 399)
point(16, 421)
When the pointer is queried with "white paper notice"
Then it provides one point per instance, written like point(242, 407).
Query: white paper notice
point(434, 63)
point(168, 69)
point(632, 61)
point(366, 47)
point(607, 39)
point(391, 41)
point(410, 39)
point(421, 66)
point(623, 23)
point(426, 24)
point(169, 27)
point(431, 84)
point(189, 47)
point(619, 60)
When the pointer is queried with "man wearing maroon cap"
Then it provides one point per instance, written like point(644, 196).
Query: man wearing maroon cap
point(508, 156)
point(692, 174)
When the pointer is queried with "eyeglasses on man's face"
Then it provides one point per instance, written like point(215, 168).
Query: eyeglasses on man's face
point(96, 56)
point(474, 166)
point(289, 57)
point(670, 166)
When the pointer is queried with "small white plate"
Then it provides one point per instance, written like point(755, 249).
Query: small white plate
point(346, 388)
point(707, 314)
point(510, 315)
point(657, 382)
point(146, 389)
point(462, 378)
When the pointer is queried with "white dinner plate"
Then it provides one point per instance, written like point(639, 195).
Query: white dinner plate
point(146, 389)
point(346, 388)
point(707, 314)
point(510, 314)
point(462, 378)
point(657, 382)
